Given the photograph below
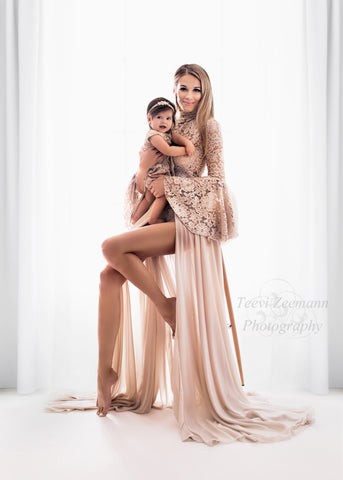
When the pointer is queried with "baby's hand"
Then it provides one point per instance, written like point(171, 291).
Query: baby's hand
point(190, 149)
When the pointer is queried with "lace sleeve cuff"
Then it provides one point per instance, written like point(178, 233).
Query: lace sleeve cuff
point(204, 205)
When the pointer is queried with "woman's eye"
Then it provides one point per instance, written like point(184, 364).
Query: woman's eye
point(197, 90)
point(183, 89)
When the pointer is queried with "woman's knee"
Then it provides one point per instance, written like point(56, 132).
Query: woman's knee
point(111, 249)
point(109, 277)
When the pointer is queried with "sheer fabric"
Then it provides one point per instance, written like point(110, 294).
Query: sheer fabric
point(195, 374)
point(210, 404)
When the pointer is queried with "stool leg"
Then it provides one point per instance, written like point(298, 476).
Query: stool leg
point(233, 324)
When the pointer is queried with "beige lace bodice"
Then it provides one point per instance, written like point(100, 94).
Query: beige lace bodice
point(202, 203)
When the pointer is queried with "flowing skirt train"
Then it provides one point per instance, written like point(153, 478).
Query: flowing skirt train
point(196, 374)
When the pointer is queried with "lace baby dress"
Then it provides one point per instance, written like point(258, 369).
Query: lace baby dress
point(196, 374)
point(165, 166)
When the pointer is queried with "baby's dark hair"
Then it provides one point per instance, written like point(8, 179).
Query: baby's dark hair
point(159, 105)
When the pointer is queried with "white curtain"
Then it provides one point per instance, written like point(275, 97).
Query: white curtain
point(334, 194)
point(75, 80)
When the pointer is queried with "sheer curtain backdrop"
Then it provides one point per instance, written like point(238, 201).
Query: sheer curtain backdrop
point(75, 79)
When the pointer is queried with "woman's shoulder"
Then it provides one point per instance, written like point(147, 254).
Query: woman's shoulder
point(212, 125)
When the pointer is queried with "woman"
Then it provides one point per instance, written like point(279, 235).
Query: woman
point(198, 367)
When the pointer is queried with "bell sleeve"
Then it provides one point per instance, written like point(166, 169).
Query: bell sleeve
point(205, 205)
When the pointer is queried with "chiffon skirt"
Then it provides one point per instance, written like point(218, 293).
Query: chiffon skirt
point(196, 373)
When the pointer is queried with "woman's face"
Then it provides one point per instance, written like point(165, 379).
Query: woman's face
point(188, 93)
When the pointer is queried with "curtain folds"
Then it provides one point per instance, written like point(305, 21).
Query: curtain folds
point(41, 187)
point(334, 193)
point(323, 74)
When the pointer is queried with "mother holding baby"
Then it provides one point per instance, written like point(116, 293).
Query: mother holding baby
point(178, 267)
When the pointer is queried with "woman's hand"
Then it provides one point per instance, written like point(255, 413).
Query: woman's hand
point(148, 158)
point(156, 187)
point(190, 149)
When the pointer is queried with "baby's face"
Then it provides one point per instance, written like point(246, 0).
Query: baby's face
point(162, 122)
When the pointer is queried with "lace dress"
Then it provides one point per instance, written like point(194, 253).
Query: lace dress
point(195, 374)
point(162, 166)
point(165, 166)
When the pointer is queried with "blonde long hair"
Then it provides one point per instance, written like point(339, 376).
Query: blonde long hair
point(205, 109)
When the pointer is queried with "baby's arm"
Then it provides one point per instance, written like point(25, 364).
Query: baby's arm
point(163, 147)
point(180, 140)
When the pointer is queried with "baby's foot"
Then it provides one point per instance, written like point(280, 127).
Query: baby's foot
point(154, 221)
point(105, 382)
point(169, 313)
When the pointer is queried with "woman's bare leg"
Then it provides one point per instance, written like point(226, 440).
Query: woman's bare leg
point(150, 243)
point(108, 326)
point(124, 252)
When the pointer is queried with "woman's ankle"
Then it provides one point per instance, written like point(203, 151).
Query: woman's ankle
point(104, 370)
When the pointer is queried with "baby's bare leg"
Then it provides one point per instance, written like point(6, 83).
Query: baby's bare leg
point(143, 206)
point(157, 210)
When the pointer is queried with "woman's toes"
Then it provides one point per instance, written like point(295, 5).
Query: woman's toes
point(105, 383)
point(101, 412)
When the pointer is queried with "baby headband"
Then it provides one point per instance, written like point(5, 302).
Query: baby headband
point(162, 102)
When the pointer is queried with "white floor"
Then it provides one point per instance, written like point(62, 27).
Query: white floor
point(80, 445)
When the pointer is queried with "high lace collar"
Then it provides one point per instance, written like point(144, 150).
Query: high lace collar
point(184, 117)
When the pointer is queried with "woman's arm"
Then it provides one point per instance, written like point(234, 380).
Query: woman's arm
point(203, 204)
point(163, 147)
point(215, 157)
point(197, 187)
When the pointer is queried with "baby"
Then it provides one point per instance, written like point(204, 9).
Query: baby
point(161, 119)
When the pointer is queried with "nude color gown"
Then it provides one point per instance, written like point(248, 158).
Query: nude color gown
point(196, 374)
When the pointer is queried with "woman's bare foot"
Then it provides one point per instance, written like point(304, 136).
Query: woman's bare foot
point(105, 382)
point(169, 313)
